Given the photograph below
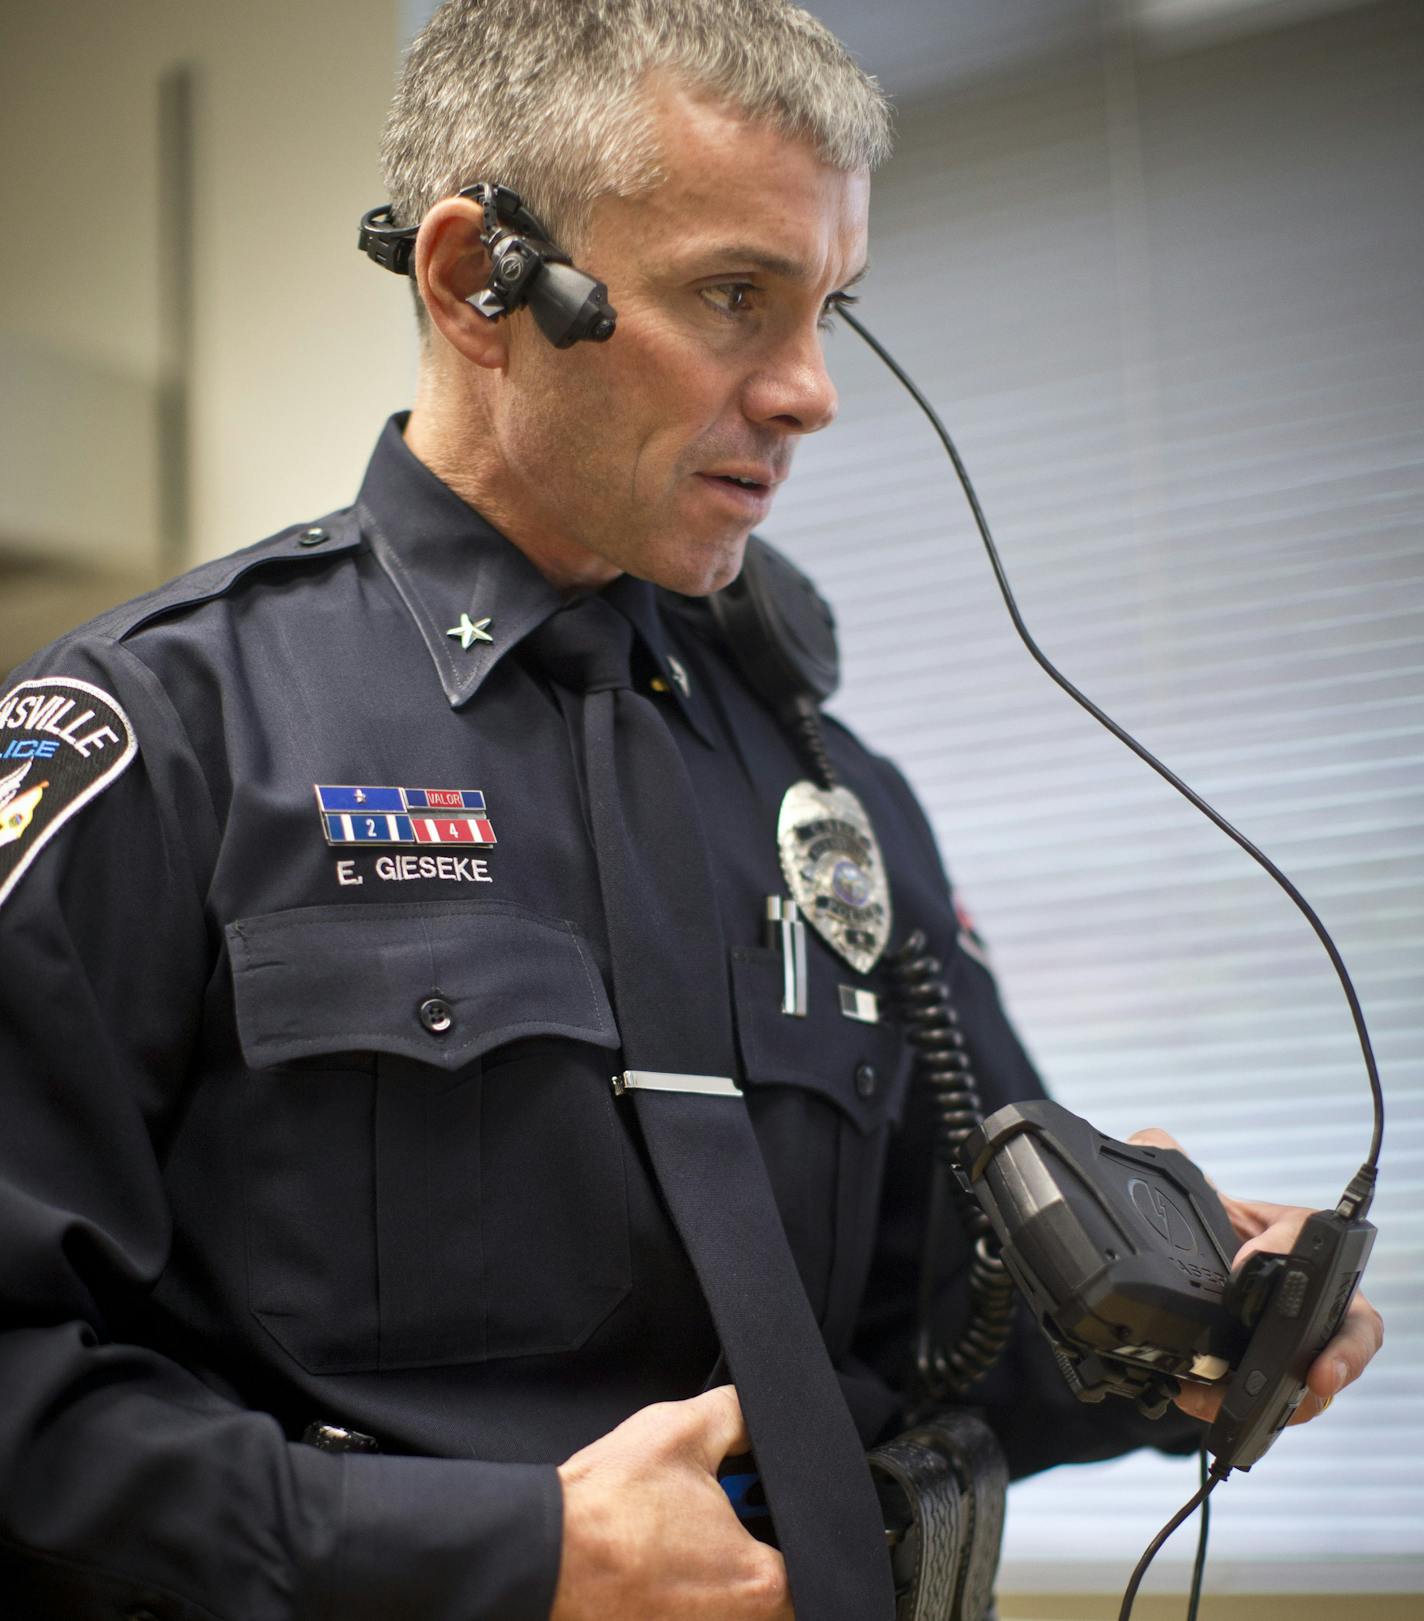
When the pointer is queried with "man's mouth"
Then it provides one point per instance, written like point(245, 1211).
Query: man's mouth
point(757, 481)
point(750, 496)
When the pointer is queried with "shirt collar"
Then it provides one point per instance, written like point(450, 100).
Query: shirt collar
point(447, 561)
point(639, 604)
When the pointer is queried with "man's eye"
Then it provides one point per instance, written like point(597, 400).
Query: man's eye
point(837, 301)
point(732, 297)
point(740, 298)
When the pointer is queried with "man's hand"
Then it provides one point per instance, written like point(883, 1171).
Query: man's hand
point(1275, 1228)
point(649, 1532)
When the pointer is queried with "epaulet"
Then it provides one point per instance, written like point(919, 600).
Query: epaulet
point(779, 629)
point(302, 544)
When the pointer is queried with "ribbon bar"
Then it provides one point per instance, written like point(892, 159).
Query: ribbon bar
point(664, 1080)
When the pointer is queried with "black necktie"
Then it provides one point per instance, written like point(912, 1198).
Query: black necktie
point(671, 993)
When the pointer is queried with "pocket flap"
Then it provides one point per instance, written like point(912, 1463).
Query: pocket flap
point(326, 979)
point(862, 1068)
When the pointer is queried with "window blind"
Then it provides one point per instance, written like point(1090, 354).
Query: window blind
point(1171, 307)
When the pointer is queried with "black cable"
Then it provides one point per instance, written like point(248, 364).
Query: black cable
point(1358, 1192)
point(803, 716)
point(1203, 1530)
point(1185, 1512)
point(944, 1070)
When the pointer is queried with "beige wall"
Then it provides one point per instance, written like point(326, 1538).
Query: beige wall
point(300, 346)
point(1226, 1607)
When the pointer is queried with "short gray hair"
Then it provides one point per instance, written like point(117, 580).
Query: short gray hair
point(543, 96)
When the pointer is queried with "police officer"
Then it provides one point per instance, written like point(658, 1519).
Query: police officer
point(316, 969)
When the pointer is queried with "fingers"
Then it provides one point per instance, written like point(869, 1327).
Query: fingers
point(720, 1429)
point(1263, 1226)
point(648, 1530)
point(1199, 1401)
point(705, 1428)
point(1360, 1335)
point(1339, 1364)
point(1155, 1137)
point(760, 1588)
point(1349, 1353)
point(775, 1590)
point(1274, 1229)
point(1253, 1220)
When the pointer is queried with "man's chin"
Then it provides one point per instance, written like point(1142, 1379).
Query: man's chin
point(701, 571)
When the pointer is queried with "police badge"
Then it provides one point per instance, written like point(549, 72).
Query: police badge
point(831, 860)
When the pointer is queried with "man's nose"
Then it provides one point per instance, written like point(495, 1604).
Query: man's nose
point(793, 390)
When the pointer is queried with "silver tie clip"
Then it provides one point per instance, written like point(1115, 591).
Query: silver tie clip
point(666, 1080)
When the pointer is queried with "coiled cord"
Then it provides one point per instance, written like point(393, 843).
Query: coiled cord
point(803, 718)
point(941, 1056)
point(944, 1070)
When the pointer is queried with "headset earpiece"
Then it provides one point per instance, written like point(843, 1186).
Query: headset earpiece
point(567, 304)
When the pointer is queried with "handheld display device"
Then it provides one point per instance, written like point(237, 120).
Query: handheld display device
point(1122, 1251)
point(1124, 1254)
point(1293, 1306)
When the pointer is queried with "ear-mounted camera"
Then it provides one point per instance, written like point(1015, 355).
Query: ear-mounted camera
point(526, 268)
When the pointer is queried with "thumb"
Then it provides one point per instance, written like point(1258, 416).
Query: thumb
point(1155, 1137)
point(720, 1431)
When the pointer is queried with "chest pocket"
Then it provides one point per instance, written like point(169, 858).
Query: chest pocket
point(434, 1172)
point(825, 1091)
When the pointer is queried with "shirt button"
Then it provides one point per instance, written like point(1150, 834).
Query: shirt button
point(867, 1079)
point(435, 1015)
point(314, 536)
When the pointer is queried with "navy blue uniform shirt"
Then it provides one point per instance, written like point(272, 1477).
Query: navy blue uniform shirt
point(299, 1130)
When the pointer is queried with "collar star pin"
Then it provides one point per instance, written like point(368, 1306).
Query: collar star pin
point(679, 676)
point(470, 631)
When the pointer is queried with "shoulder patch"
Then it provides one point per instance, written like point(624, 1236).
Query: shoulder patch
point(61, 742)
point(971, 942)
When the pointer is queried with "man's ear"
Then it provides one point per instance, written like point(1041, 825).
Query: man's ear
point(450, 265)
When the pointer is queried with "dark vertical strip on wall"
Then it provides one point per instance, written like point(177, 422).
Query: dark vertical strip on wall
point(176, 124)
